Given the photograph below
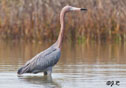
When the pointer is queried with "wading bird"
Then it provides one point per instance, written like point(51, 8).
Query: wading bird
point(45, 60)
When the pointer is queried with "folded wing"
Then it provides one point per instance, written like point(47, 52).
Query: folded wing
point(41, 61)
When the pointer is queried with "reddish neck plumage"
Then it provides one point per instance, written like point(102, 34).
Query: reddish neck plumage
point(62, 22)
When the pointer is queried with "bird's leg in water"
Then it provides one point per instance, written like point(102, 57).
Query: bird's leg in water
point(45, 73)
point(48, 72)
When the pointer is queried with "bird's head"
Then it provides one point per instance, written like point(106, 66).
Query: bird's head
point(70, 8)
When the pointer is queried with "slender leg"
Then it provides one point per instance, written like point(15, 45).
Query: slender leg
point(48, 71)
point(45, 73)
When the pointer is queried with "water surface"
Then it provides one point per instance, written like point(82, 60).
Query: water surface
point(86, 65)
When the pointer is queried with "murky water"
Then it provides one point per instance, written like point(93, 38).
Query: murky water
point(80, 66)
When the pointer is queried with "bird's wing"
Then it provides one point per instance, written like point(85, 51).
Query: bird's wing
point(41, 61)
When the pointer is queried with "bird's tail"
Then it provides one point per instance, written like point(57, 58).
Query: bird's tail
point(22, 70)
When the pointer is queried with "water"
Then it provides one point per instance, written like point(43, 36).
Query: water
point(80, 66)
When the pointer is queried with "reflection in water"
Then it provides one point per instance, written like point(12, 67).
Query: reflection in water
point(43, 81)
point(80, 66)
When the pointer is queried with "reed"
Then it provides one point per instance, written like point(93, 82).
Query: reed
point(39, 20)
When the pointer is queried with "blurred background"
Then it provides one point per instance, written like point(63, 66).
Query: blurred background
point(93, 51)
point(38, 20)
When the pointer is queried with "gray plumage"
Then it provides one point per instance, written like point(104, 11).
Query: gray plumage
point(42, 62)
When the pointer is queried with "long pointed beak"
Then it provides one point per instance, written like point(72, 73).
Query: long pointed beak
point(83, 9)
point(78, 9)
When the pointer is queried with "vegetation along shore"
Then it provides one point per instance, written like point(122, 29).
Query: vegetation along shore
point(39, 20)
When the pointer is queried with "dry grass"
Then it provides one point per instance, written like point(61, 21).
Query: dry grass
point(39, 19)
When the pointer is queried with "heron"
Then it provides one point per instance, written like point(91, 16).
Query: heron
point(45, 60)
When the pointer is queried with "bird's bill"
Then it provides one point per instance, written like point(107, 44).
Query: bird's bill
point(78, 9)
point(83, 9)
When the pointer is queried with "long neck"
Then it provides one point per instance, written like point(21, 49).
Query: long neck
point(61, 34)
